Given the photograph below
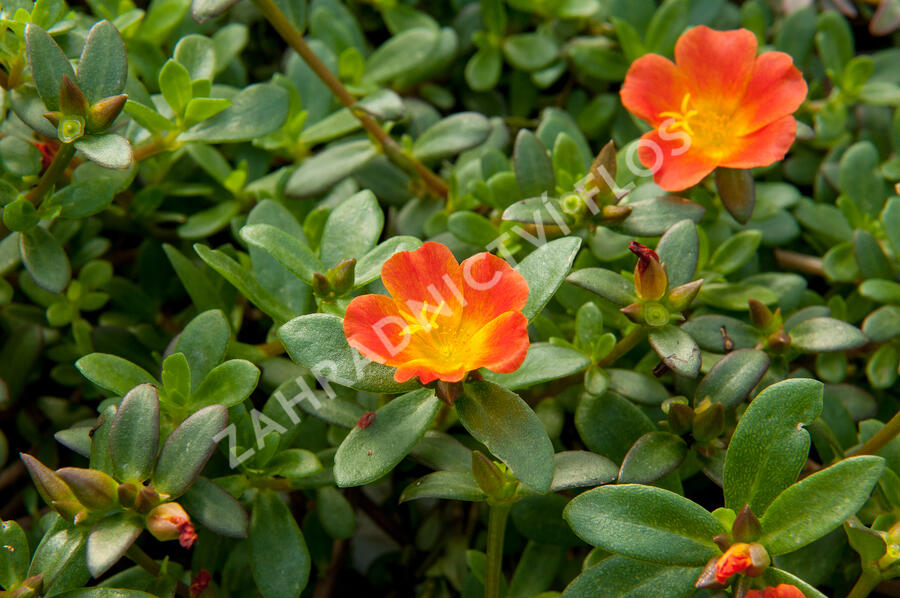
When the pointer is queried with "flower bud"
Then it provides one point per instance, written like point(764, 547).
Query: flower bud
point(490, 479)
point(71, 99)
point(170, 521)
point(707, 579)
point(681, 297)
point(321, 286)
point(650, 279)
point(709, 421)
point(779, 340)
point(746, 526)
point(616, 213)
point(759, 559)
point(146, 499)
point(49, 485)
point(760, 315)
point(102, 114)
point(634, 312)
point(127, 494)
point(735, 560)
point(603, 172)
point(54, 117)
point(342, 276)
point(680, 418)
point(70, 510)
point(70, 129)
point(94, 489)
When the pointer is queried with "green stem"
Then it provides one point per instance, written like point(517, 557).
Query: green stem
point(142, 559)
point(494, 568)
point(391, 149)
point(58, 166)
point(625, 345)
point(867, 581)
point(881, 438)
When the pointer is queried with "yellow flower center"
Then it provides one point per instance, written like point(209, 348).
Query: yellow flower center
point(682, 118)
point(422, 321)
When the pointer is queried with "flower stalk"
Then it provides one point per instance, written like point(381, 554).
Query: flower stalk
point(497, 517)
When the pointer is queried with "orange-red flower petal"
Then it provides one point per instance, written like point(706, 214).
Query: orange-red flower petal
point(718, 105)
point(781, 591)
point(443, 319)
point(735, 560)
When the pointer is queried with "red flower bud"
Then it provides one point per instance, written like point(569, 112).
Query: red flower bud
point(650, 279)
point(169, 521)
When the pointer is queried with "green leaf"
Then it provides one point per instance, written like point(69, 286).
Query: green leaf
point(402, 52)
point(322, 171)
point(451, 136)
point(187, 450)
point(296, 463)
point(82, 199)
point(677, 350)
point(620, 577)
point(227, 384)
point(580, 469)
point(245, 282)
point(822, 335)
point(646, 523)
point(540, 518)
point(667, 24)
point(652, 217)
point(544, 362)
point(869, 257)
point(45, 259)
point(774, 576)
point(530, 51)
point(148, 117)
point(113, 373)
point(107, 150)
point(770, 445)
point(205, 223)
point(255, 111)
point(545, 270)
point(15, 557)
point(175, 85)
point(134, 435)
point(202, 10)
point(207, 503)
point(483, 69)
point(637, 387)
point(367, 454)
point(279, 559)
point(882, 291)
point(609, 424)
point(449, 485)
point(883, 323)
point(654, 456)
point(103, 66)
point(507, 426)
point(60, 557)
point(534, 170)
point(359, 213)
point(317, 341)
point(859, 178)
point(606, 283)
point(735, 251)
point(104, 593)
point(109, 540)
point(335, 513)
point(197, 54)
point(287, 249)
point(679, 250)
point(819, 503)
point(204, 341)
point(536, 570)
point(737, 191)
point(733, 377)
point(201, 109)
point(48, 64)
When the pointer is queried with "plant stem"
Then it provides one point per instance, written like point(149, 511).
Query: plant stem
point(391, 149)
point(807, 264)
point(867, 581)
point(881, 437)
point(625, 345)
point(51, 175)
point(494, 567)
point(142, 559)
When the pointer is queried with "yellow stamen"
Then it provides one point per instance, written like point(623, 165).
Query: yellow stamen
point(415, 323)
point(681, 118)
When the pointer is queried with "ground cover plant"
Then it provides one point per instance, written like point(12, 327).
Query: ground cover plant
point(477, 298)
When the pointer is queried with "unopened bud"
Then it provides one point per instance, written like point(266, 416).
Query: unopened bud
point(342, 276)
point(102, 114)
point(616, 213)
point(709, 422)
point(680, 418)
point(603, 172)
point(760, 315)
point(490, 479)
point(70, 510)
point(634, 312)
point(681, 297)
point(54, 117)
point(779, 341)
point(707, 579)
point(759, 559)
point(650, 279)
point(746, 526)
point(170, 521)
point(94, 489)
point(70, 129)
point(146, 499)
point(71, 99)
point(49, 485)
point(321, 286)
point(127, 494)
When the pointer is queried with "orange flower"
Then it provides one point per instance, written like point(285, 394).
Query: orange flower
point(443, 318)
point(169, 521)
point(735, 560)
point(782, 591)
point(719, 104)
